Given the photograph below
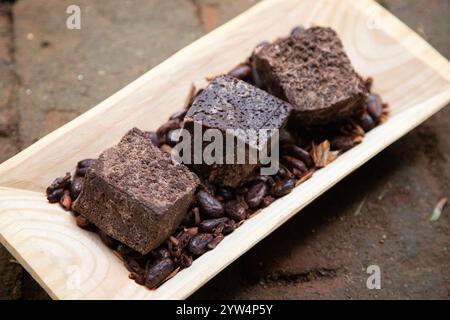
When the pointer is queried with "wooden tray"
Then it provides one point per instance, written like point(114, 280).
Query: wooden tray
point(73, 264)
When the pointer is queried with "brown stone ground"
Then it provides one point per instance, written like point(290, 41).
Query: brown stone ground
point(378, 215)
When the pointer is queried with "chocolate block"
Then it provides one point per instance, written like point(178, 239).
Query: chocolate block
point(135, 194)
point(312, 72)
point(229, 103)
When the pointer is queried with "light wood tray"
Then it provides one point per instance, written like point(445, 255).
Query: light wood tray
point(73, 264)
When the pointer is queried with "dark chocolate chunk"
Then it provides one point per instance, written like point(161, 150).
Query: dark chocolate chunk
point(231, 104)
point(135, 193)
point(310, 70)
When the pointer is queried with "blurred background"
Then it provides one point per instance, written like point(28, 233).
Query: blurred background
point(378, 215)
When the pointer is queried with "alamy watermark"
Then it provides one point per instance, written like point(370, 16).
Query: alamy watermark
point(73, 21)
point(374, 280)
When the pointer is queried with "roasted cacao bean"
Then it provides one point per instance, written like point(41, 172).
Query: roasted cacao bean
point(160, 253)
point(213, 244)
point(185, 261)
point(189, 218)
point(66, 201)
point(286, 138)
point(138, 278)
point(343, 143)
point(81, 172)
point(297, 30)
point(242, 71)
point(169, 125)
point(133, 266)
point(75, 187)
point(59, 183)
point(153, 138)
point(294, 163)
point(299, 153)
point(366, 122)
point(375, 106)
point(210, 224)
point(55, 196)
point(229, 227)
point(86, 163)
point(159, 271)
point(107, 240)
point(209, 206)
point(282, 187)
point(267, 201)
point(226, 193)
point(235, 210)
point(283, 173)
point(198, 243)
point(83, 222)
point(183, 239)
point(256, 194)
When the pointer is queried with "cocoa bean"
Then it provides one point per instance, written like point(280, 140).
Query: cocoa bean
point(160, 253)
point(267, 201)
point(83, 222)
point(294, 163)
point(75, 187)
point(133, 266)
point(153, 138)
point(185, 261)
point(198, 243)
point(297, 30)
point(86, 163)
point(213, 244)
point(235, 210)
point(159, 271)
point(66, 201)
point(59, 183)
point(375, 107)
point(366, 122)
point(166, 127)
point(55, 196)
point(107, 240)
point(229, 227)
point(256, 194)
point(210, 224)
point(343, 143)
point(282, 187)
point(286, 138)
point(209, 205)
point(299, 153)
point(242, 71)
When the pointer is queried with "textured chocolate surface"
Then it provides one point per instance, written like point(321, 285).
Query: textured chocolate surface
point(313, 73)
point(135, 194)
point(229, 103)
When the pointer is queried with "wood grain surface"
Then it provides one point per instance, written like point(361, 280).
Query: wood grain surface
point(73, 264)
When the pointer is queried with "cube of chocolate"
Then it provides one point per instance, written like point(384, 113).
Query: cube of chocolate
point(311, 71)
point(135, 193)
point(231, 104)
